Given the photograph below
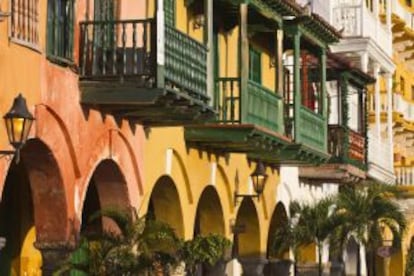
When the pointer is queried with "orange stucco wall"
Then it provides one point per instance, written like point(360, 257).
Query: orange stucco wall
point(79, 138)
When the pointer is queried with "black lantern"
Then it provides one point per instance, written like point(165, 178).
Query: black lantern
point(18, 123)
point(259, 178)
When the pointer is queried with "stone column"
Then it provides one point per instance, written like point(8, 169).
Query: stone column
point(388, 14)
point(253, 266)
point(390, 134)
point(377, 97)
point(53, 255)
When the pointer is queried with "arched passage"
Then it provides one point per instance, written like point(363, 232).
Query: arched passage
point(209, 216)
point(164, 205)
point(279, 219)
point(278, 263)
point(107, 189)
point(248, 243)
point(33, 209)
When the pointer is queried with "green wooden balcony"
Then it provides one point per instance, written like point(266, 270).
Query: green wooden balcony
point(348, 162)
point(257, 130)
point(124, 71)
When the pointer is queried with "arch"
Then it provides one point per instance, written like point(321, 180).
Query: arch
point(209, 214)
point(279, 218)
point(248, 241)
point(183, 170)
point(48, 192)
point(107, 189)
point(226, 184)
point(45, 132)
point(165, 205)
point(34, 195)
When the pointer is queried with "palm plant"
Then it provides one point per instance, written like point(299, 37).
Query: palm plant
point(364, 213)
point(139, 245)
point(308, 223)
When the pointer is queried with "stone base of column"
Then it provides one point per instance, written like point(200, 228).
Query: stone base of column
point(253, 266)
point(53, 256)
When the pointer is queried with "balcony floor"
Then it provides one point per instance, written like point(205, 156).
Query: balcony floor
point(149, 106)
point(332, 173)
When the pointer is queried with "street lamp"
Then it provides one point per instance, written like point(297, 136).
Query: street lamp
point(18, 123)
point(259, 178)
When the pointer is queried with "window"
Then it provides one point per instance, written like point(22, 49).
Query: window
point(60, 30)
point(255, 65)
point(25, 21)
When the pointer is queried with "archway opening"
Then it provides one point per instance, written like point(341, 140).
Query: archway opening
point(33, 209)
point(17, 225)
point(107, 190)
point(279, 263)
point(209, 215)
point(247, 238)
point(164, 205)
point(278, 220)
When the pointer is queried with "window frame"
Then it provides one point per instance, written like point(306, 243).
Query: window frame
point(60, 31)
point(24, 24)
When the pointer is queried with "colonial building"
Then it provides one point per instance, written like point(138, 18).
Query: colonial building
point(168, 106)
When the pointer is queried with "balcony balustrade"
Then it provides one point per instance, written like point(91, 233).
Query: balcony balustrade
point(120, 63)
point(264, 108)
point(358, 21)
point(347, 146)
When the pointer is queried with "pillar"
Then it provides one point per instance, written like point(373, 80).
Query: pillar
point(53, 255)
point(279, 61)
point(160, 43)
point(243, 60)
point(390, 133)
point(377, 97)
point(296, 81)
point(208, 40)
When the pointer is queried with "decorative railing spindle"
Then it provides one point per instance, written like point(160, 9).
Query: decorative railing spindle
point(114, 48)
point(134, 46)
point(124, 54)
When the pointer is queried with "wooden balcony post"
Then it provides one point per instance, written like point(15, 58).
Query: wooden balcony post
point(323, 98)
point(279, 61)
point(160, 21)
point(208, 41)
point(296, 81)
point(243, 61)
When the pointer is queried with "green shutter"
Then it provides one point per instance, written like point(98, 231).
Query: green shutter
point(60, 23)
point(255, 65)
point(50, 27)
point(169, 11)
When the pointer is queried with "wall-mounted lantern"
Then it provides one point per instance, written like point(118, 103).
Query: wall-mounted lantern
point(18, 123)
point(259, 178)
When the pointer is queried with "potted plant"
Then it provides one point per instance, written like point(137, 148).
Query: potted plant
point(207, 252)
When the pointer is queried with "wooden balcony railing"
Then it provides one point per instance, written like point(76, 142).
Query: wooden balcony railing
point(117, 49)
point(264, 106)
point(127, 49)
point(185, 61)
point(346, 145)
point(227, 100)
point(311, 130)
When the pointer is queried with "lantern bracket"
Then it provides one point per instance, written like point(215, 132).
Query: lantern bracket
point(237, 195)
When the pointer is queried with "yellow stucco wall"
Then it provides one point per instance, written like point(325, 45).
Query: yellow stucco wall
point(165, 153)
